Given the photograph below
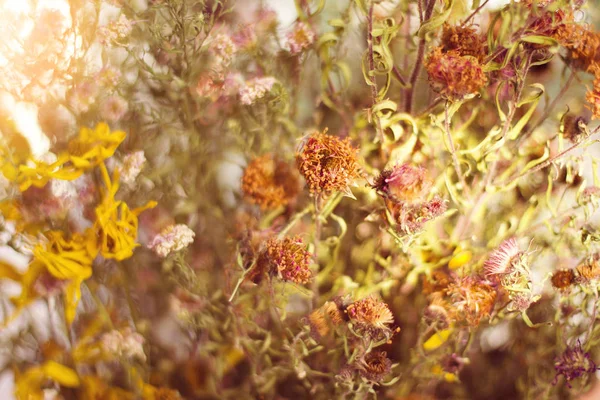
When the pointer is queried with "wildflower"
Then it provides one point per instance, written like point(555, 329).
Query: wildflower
point(108, 77)
point(116, 225)
point(289, 258)
point(371, 316)
point(471, 299)
point(113, 108)
point(329, 315)
point(208, 86)
point(589, 270)
point(116, 32)
point(593, 95)
point(375, 366)
point(328, 163)
point(93, 146)
point(223, 48)
point(300, 38)
point(464, 40)
point(410, 218)
point(269, 182)
point(82, 96)
point(125, 343)
point(256, 89)
point(437, 282)
point(172, 239)
point(573, 363)
point(582, 43)
point(573, 128)
point(454, 76)
point(562, 279)
point(403, 183)
point(500, 260)
point(38, 173)
point(28, 385)
point(131, 167)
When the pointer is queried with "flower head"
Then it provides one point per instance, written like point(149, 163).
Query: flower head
point(328, 164)
point(573, 363)
point(464, 40)
point(453, 75)
point(371, 316)
point(289, 258)
point(224, 49)
point(326, 317)
point(256, 89)
point(471, 299)
point(123, 343)
point(500, 260)
point(563, 279)
point(131, 166)
point(113, 108)
point(269, 182)
point(116, 32)
point(300, 38)
point(589, 270)
point(375, 366)
point(403, 183)
point(93, 146)
point(38, 173)
point(410, 218)
point(172, 239)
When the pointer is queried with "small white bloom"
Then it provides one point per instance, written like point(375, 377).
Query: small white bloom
point(172, 239)
point(255, 89)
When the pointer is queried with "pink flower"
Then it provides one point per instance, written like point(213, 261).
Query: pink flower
point(300, 38)
point(256, 89)
point(500, 260)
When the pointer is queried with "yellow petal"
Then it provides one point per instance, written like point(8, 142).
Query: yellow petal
point(72, 296)
point(438, 339)
point(8, 272)
point(460, 259)
point(61, 374)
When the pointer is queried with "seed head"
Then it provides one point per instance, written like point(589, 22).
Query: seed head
point(375, 366)
point(573, 363)
point(563, 279)
point(453, 75)
point(289, 258)
point(411, 218)
point(328, 163)
point(403, 183)
point(269, 182)
point(471, 299)
point(371, 317)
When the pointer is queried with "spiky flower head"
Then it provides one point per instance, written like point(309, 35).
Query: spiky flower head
point(372, 317)
point(589, 270)
point(471, 299)
point(328, 163)
point(403, 183)
point(501, 260)
point(410, 218)
point(563, 279)
point(269, 183)
point(375, 366)
point(289, 258)
point(573, 363)
point(464, 40)
point(454, 76)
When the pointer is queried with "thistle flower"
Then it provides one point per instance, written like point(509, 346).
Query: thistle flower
point(454, 76)
point(573, 363)
point(289, 258)
point(300, 38)
point(172, 239)
point(403, 183)
point(464, 40)
point(113, 108)
point(563, 279)
point(328, 163)
point(371, 316)
point(326, 317)
point(500, 261)
point(269, 182)
point(471, 299)
point(256, 89)
point(375, 366)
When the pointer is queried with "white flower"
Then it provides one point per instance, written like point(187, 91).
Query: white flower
point(256, 89)
point(132, 166)
point(171, 239)
point(125, 343)
point(114, 108)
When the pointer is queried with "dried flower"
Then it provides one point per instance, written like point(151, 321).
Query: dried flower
point(324, 318)
point(410, 218)
point(403, 183)
point(289, 259)
point(113, 108)
point(223, 48)
point(375, 366)
point(328, 163)
point(572, 127)
point(563, 279)
point(371, 316)
point(38, 173)
point(123, 343)
point(471, 299)
point(582, 43)
point(93, 146)
point(593, 95)
point(464, 40)
point(589, 270)
point(256, 89)
point(437, 282)
point(269, 182)
point(454, 76)
point(573, 363)
point(500, 260)
point(300, 38)
point(172, 239)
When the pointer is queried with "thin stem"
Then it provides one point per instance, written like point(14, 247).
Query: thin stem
point(475, 12)
point(459, 174)
point(374, 91)
point(316, 239)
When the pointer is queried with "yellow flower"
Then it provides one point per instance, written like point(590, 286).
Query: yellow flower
point(40, 173)
point(438, 339)
point(28, 386)
point(93, 146)
point(116, 225)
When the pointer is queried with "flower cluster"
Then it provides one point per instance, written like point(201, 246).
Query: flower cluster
point(269, 182)
point(453, 75)
point(172, 239)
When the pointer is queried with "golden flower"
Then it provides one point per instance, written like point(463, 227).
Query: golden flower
point(116, 225)
point(269, 182)
point(371, 317)
point(375, 366)
point(328, 163)
point(290, 259)
point(93, 146)
point(453, 75)
point(38, 173)
point(582, 43)
point(28, 385)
